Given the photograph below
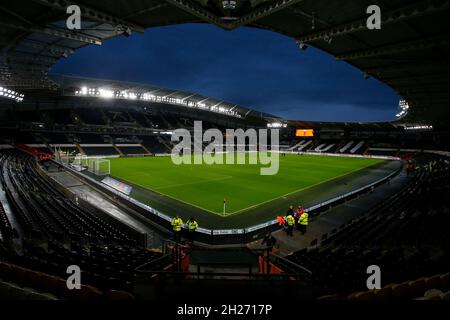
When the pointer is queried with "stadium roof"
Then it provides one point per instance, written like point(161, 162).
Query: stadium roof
point(411, 53)
point(73, 86)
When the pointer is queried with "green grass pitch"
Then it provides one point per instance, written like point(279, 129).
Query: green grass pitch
point(205, 186)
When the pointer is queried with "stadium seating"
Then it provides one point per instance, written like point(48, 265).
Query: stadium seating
point(404, 236)
point(43, 210)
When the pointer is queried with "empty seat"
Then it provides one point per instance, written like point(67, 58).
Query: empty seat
point(383, 294)
point(4, 290)
point(86, 293)
point(18, 275)
point(116, 295)
point(445, 281)
point(5, 270)
point(417, 287)
point(433, 282)
point(363, 295)
point(330, 297)
point(401, 291)
point(18, 293)
point(41, 296)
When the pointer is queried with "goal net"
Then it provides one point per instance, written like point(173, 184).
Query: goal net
point(99, 167)
point(75, 160)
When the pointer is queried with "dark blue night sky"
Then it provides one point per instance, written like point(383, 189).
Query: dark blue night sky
point(254, 68)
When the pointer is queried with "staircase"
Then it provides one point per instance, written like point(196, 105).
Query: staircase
point(118, 150)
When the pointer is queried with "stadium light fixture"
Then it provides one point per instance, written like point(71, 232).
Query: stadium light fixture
point(303, 46)
point(276, 125)
point(328, 39)
point(229, 4)
point(104, 93)
point(107, 93)
point(418, 127)
point(127, 32)
point(11, 94)
point(404, 108)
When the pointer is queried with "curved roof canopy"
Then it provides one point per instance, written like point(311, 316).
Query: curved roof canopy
point(111, 89)
point(411, 52)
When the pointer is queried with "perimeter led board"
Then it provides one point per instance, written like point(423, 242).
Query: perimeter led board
point(304, 133)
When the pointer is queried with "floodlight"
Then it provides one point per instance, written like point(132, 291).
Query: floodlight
point(302, 45)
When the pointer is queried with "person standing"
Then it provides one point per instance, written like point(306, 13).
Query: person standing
point(290, 223)
point(298, 213)
point(192, 226)
point(303, 222)
point(290, 211)
point(177, 223)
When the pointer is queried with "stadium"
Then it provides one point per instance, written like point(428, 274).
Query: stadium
point(89, 179)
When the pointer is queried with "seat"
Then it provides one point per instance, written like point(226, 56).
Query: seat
point(33, 278)
point(330, 297)
point(41, 296)
point(445, 280)
point(401, 291)
point(18, 293)
point(362, 295)
point(48, 283)
point(18, 275)
point(433, 282)
point(4, 290)
point(85, 293)
point(383, 294)
point(418, 287)
point(5, 270)
point(116, 295)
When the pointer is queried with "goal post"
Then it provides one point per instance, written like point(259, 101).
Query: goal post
point(99, 167)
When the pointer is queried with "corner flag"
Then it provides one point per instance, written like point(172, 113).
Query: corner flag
point(224, 206)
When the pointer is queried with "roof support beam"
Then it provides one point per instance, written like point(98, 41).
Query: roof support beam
point(396, 48)
point(67, 34)
point(91, 13)
point(263, 12)
point(148, 9)
point(199, 12)
point(393, 16)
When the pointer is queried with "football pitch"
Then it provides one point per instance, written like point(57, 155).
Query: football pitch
point(206, 186)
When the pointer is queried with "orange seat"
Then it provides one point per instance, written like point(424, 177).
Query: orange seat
point(88, 293)
point(32, 279)
point(433, 282)
point(5, 270)
point(401, 291)
point(445, 280)
point(18, 275)
point(48, 283)
point(418, 287)
point(367, 295)
point(383, 294)
point(116, 295)
point(61, 289)
point(362, 295)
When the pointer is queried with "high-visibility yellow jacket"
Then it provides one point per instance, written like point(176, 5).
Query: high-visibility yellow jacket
point(177, 224)
point(192, 225)
point(290, 220)
point(303, 219)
